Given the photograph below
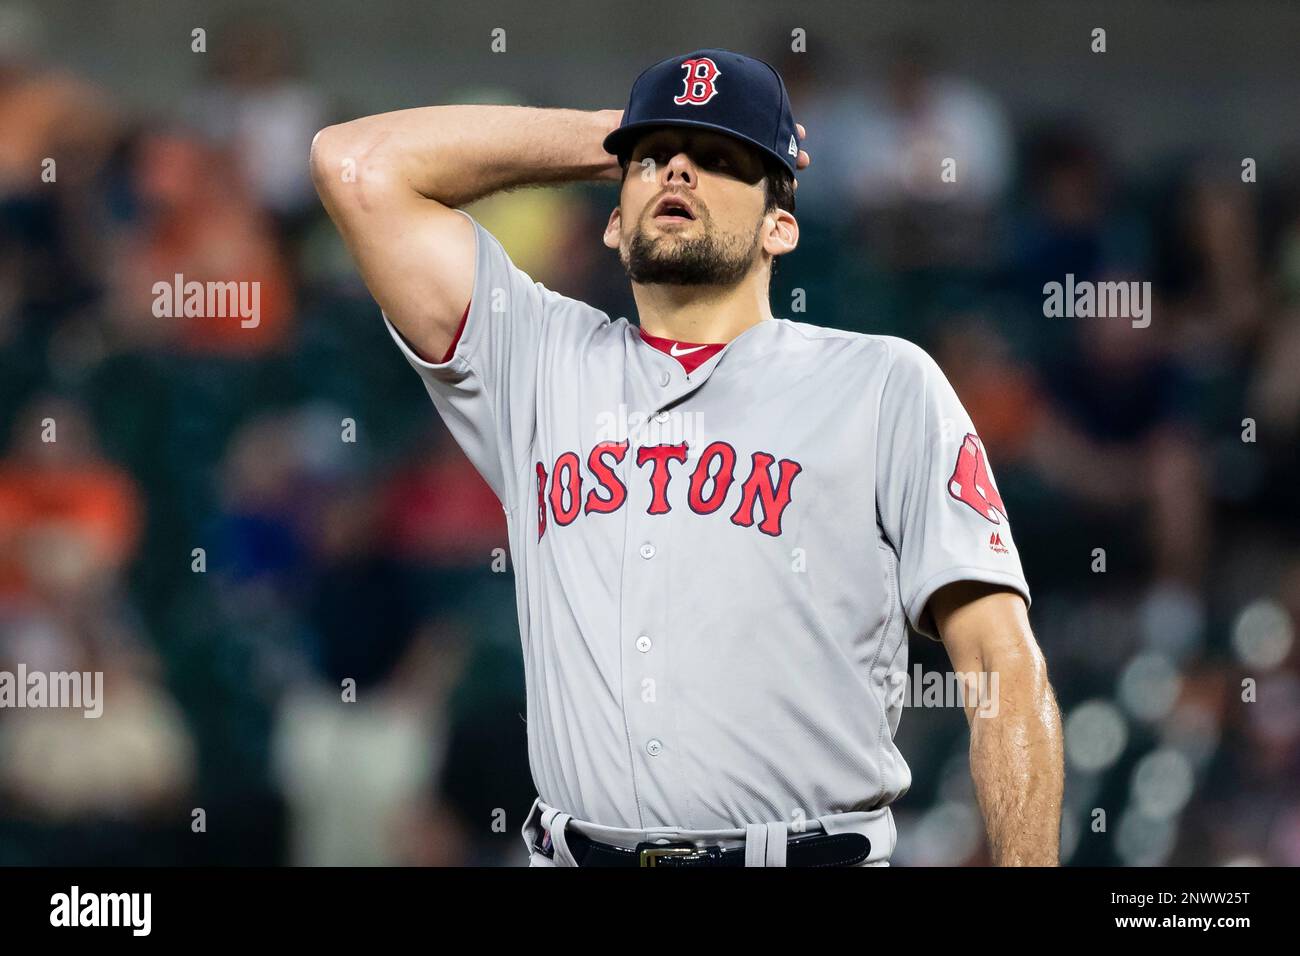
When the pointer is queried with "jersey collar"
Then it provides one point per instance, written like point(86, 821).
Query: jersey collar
point(690, 355)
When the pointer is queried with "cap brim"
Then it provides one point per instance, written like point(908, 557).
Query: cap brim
point(621, 140)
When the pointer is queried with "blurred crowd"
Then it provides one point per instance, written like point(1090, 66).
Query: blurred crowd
point(241, 527)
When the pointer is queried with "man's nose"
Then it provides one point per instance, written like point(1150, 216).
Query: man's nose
point(680, 168)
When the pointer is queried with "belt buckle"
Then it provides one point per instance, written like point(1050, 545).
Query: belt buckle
point(649, 855)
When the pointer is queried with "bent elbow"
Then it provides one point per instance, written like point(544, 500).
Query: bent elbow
point(350, 167)
point(325, 158)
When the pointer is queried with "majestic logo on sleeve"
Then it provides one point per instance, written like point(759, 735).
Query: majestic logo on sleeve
point(972, 484)
point(699, 84)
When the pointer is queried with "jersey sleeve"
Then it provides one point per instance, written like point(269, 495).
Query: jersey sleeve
point(937, 500)
point(485, 387)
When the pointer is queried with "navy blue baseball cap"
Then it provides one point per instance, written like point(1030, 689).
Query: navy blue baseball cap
point(711, 89)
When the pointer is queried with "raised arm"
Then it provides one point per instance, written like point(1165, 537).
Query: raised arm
point(1015, 732)
point(390, 182)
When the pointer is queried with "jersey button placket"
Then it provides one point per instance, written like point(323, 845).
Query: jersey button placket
point(646, 691)
point(647, 698)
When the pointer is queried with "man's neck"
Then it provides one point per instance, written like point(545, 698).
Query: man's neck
point(701, 313)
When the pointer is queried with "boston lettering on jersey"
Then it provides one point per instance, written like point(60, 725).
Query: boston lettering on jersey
point(559, 492)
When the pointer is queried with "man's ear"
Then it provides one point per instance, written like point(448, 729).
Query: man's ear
point(614, 229)
point(783, 237)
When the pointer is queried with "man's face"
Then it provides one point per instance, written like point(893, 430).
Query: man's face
point(691, 211)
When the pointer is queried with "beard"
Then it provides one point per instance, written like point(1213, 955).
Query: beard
point(708, 259)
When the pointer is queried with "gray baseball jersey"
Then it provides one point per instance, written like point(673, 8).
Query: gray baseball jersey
point(713, 569)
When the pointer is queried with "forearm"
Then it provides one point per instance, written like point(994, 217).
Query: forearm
point(457, 154)
point(1016, 762)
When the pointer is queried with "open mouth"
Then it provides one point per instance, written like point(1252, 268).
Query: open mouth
point(670, 207)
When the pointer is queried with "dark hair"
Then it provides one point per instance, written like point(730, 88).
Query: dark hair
point(778, 186)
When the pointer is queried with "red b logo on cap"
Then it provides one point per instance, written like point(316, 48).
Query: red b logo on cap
point(698, 83)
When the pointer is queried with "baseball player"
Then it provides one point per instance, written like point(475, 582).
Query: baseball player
point(721, 521)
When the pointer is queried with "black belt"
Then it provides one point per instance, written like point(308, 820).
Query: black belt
point(815, 849)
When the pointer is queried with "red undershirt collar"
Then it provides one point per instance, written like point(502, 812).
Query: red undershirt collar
point(691, 355)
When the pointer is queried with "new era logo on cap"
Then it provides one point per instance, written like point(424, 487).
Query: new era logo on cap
point(794, 148)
